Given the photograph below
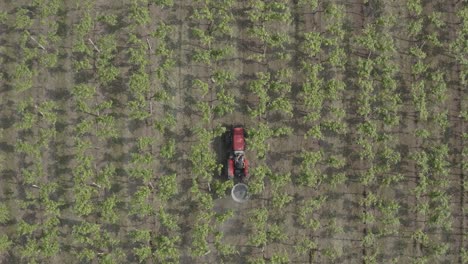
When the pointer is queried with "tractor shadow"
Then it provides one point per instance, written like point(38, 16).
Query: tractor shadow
point(222, 150)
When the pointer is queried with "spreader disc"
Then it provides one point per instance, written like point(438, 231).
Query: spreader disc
point(240, 193)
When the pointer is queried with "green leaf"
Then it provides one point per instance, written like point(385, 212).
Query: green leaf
point(4, 213)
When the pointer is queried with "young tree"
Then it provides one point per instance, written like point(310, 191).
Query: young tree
point(166, 249)
point(336, 162)
point(22, 19)
point(223, 248)
point(3, 17)
point(107, 127)
point(337, 178)
point(83, 205)
point(223, 77)
point(167, 186)
point(168, 150)
point(258, 238)
point(221, 186)
point(307, 208)
point(257, 184)
point(5, 243)
point(105, 177)
point(109, 19)
point(305, 245)
point(108, 209)
point(167, 220)
point(257, 139)
point(280, 258)
point(199, 239)
point(281, 199)
point(140, 235)
point(312, 43)
point(309, 175)
point(139, 13)
point(276, 233)
point(4, 213)
point(22, 77)
point(143, 253)
point(203, 86)
point(49, 244)
point(31, 250)
point(279, 180)
point(415, 7)
point(256, 260)
point(139, 203)
point(222, 217)
point(167, 122)
point(226, 104)
point(463, 254)
point(206, 109)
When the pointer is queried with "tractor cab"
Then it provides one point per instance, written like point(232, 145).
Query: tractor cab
point(237, 163)
point(239, 160)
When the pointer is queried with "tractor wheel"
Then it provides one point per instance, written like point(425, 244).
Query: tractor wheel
point(228, 138)
point(230, 177)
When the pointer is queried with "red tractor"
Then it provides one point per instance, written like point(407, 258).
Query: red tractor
point(237, 164)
